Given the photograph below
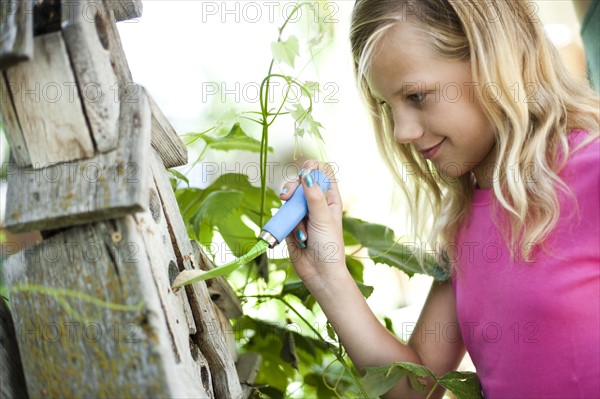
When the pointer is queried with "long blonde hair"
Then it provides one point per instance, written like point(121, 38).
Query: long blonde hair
point(508, 49)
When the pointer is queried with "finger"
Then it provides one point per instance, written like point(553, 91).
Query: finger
point(318, 208)
point(329, 170)
point(292, 240)
point(288, 189)
point(300, 235)
point(333, 197)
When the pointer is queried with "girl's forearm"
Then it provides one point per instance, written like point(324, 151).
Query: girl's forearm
point(366, 340)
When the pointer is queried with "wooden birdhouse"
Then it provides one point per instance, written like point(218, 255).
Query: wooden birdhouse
point(92, 304)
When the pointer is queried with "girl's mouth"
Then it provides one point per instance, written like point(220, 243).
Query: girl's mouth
point(431, 151)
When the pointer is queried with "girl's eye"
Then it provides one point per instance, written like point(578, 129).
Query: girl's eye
point(416, 98)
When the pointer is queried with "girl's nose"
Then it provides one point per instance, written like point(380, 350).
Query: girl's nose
point(407, 129)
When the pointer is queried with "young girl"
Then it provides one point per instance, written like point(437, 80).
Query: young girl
point(497, 150)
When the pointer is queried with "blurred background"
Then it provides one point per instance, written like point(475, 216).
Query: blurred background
point(202, 59)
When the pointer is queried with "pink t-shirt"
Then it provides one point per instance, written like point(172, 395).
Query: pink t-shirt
point(533, 329)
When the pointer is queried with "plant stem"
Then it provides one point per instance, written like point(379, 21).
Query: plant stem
point(317, 334)
point(264, 105)
point(432, 390)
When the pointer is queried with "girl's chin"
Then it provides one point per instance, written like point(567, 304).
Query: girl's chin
point(450, 169)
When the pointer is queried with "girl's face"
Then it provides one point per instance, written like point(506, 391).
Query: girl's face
point(433, 103)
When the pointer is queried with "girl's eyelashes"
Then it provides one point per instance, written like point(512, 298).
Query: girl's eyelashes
point(417, 98)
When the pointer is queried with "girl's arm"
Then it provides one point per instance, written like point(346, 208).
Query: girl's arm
point(321, 265)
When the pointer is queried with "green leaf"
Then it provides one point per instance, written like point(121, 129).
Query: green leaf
point(286, 51)
point(355, 267)
point(366, 290)
point(272, 334)
point(305, 122)
point(180, 176)
point(324, 379)
point(217, 206)
point(331, 332)
point(389, 325)
point(288, 349)
point(237, 235)
point(312, 87)
point(383, 248)
point(252, 195)
point(379, 380)
point(236, 139)
point(296, 288)
point(464, 385)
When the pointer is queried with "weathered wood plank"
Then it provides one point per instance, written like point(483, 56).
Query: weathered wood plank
point(85, 38)
point(163, 263)
point(89, 319)
point(126, 9)
point(12, 380)
point(108, 186)
point(16, 32)
point(117, 54)
point(10, 124)
point(219, 289)
point(165, 140)
point(48, 105)
point(247, 367)
point(210, 337)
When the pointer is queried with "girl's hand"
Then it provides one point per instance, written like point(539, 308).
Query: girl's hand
point(316, 245)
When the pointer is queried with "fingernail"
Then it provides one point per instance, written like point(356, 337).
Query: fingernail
point(301, 236)
point(284, 191)
point(302, 244)
point(302, 172)
point(309, 180)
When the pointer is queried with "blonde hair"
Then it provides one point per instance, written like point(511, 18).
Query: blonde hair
point(505, 46)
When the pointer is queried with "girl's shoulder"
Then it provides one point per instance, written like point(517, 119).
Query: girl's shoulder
point(582, 170)
point(584, 152)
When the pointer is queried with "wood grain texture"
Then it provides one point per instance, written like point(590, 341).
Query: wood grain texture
point(12, 380)
point(117, 54)
point(84, 32)
point(10, 124)
point(108, 186)
point(210, 338)
point(16, 32)
point(48, 105)
point(126, 9)
point(221, 293)
point(247, 367)
point(163, 263)
point(75, 347)
point(165, 139)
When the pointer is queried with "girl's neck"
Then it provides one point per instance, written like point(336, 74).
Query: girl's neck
point(483, 171)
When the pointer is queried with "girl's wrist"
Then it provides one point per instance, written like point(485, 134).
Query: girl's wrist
point(335, 277)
